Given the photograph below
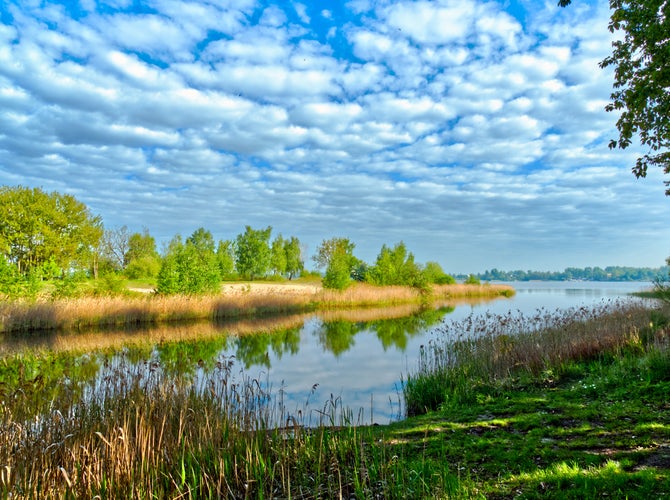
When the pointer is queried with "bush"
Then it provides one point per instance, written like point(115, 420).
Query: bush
point(143, 267)
point(338, 273)
point(472, 280)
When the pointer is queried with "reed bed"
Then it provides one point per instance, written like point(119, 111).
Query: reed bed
point(139, 435)
point(94, 312)
point(485, 350)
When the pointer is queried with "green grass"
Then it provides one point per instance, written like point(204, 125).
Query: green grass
point(599, 429)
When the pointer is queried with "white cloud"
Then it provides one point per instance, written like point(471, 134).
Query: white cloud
point(446, 124)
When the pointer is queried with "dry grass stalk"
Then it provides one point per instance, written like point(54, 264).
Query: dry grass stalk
point(84, 313)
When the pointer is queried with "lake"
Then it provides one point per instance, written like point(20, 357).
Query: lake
point(315, 364)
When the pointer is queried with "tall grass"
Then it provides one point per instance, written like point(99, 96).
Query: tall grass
point(90, 312)
point(139, 435)
point(481, 351)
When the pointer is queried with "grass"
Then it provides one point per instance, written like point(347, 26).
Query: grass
point(148, 309)
point(591, 422)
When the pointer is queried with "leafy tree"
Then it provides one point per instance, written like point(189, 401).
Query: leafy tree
point(641, 61)
point(225, 257)
point(336, 255)
point(36, 226)
point(252, 252)
point(395, 266)
point(338, 272)
point(294, 262)
point(435, 274)
point(140, 245)
point(141, 259)
point(278, 259)
point(191, 267)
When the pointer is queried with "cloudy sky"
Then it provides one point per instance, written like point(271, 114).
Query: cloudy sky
point(472, 130)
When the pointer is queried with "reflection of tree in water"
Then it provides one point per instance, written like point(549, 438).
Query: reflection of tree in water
point(253, 350)
point(396, 332)
point(338, 336)
point(47, 379)
point(184, 357)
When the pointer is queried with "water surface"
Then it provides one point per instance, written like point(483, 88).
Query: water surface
point(312, 362)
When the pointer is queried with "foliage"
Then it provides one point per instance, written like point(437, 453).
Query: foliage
point(141, 259)
point(143, 267)
point(294, 261)
point(338, 272)
point(609, 273)
point(190, 267)
point(278, 261)
point(253, 253)
point(14, 285)
point(434, 273)
point(336, 255)
point(394, 266)
point(36, 226)
point(641, 58)
point(472, 280)
point(225, 257)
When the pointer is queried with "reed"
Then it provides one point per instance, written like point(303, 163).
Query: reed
point(482, 351)
point(138, 434)
point(106, 311)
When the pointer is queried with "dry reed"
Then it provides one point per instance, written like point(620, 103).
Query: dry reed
point(91, 312)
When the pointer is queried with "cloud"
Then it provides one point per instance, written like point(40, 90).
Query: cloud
point(477, 137)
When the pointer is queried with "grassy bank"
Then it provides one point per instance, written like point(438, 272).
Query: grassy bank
point(149, 309)
point(588, 422)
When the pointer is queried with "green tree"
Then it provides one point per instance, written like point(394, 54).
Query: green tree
point(294, 262)
point(252, 252)
point(278, 259)
point(225, 257)
point(189, 268)
point(141, 259)
point(336, 255)
point(641, 61)
point(395, 266)
point(435, 274)
point(140, 245)
point(36, 226)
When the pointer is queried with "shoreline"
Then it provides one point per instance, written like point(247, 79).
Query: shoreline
point(237, 300)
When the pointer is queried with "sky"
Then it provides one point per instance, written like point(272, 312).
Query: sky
point(473, 131)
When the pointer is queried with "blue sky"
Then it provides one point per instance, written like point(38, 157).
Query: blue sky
point(473, 131)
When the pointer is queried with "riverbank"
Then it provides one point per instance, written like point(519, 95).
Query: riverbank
point(235, 301)
point(585, 424)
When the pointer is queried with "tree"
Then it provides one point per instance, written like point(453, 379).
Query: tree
point(140, 245)
point(141, 258)
point(252, 252)
point(114, 247)
point(278, 256)
point(225, 256)
point(395, 266)
point(641, 61)
point(191, 267)
point(294, 262)
point(435, 274)
point(36, 226)
point(336, 255)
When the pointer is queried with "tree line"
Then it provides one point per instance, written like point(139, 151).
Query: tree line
point(53, 236)
point(609, 273)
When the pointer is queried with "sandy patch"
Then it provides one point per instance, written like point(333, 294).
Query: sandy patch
point(270, 288)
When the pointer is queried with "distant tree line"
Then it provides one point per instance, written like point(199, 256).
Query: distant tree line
point(610, 273)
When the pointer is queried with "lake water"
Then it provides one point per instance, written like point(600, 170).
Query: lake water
point(320, 363)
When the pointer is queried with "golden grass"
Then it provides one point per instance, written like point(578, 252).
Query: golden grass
point(92, 312)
